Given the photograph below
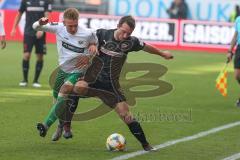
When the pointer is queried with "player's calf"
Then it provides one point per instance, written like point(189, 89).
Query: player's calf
point(57, 134)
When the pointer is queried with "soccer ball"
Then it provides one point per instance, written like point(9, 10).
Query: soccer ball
point(116, 142)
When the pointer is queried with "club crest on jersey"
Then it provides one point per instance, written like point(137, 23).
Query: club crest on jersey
point(125, 45)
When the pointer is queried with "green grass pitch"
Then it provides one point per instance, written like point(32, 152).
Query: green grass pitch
point(193, 77)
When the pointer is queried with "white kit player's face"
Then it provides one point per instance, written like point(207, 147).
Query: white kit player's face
point(71, 25)
point(123, 32)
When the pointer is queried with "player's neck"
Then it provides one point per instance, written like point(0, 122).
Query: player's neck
point(115, 35)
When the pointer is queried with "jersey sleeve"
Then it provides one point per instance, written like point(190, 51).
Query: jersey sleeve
point(93, 38)
point(137, 44)
point(50, 27)
point(22, 6)
point(2, 31)
point(100, 35)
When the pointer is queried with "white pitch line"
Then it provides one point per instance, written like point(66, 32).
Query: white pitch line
point(184, 139)
point(233, 157)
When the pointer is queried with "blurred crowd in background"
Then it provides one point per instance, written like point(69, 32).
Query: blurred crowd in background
point(85, 6)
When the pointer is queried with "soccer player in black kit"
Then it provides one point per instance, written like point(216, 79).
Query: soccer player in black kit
point(34, 9)
point(114, 46)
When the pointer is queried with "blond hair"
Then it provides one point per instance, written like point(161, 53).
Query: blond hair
point(71, 13)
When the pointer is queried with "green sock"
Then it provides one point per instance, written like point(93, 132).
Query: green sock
point(52, 116)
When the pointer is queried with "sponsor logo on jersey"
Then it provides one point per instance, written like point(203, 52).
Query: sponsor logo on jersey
point(72, 48)
point(66, 38)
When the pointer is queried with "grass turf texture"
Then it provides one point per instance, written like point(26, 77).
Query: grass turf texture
point(193, 77)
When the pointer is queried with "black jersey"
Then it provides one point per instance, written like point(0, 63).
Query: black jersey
point(113, 53)
point(35, 10)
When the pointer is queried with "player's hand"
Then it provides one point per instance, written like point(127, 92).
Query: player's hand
point(167, 55)
point(43, 21)
point(3, 44)
point(229, 56)
point(39, 34)
point(13, 32)
point(92, 49)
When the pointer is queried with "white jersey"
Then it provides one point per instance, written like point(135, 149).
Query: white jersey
point(69, 46)
point(2, 31)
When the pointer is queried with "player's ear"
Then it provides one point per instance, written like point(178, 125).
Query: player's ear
point(64, 23)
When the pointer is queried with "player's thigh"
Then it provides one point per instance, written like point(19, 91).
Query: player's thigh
point(117, 90)
point(74, 77)
point(59, 81)
point(40, 45)
point(69, 82)
point(28, 43)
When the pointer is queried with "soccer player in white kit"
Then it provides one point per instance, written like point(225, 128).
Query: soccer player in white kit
point(75, 47)
point(2, 36)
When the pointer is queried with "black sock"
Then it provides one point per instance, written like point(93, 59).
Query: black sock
point(137, 131)
point(73, 100)
point(25, 68)
point(69, 109)
point(38, 69)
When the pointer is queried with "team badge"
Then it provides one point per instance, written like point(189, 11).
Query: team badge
point(125, 45)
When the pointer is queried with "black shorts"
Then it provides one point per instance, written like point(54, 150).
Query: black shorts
point(111, 92)
point(237, 58)
point(30, 41)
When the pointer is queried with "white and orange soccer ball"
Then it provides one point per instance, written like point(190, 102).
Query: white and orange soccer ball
point(116, 142)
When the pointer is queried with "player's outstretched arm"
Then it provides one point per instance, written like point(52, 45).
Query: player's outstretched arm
point(153, 50)
point(43, 25)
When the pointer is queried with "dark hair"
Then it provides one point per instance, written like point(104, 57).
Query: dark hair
point(129, 20)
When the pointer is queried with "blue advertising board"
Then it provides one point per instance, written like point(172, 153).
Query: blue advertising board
point(10, 4)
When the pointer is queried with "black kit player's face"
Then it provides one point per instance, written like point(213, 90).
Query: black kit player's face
point(123, 32)
point(71, 25)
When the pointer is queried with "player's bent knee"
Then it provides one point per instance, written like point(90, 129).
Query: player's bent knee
point(40, 57)
point(126, 117)
point(26, 56)
point(80, 87)
point(66, 88)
